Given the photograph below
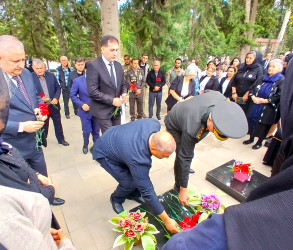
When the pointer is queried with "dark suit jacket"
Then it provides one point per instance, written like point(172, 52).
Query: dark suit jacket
point(79, 88)
point(151, 80)
point(228, 91)
point(212, 84)
point(101, 89)
point(52, 85)
point(72, 75)
point(21, 111)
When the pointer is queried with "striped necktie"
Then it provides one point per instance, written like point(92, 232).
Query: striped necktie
point(112, 75)
point(22, 88)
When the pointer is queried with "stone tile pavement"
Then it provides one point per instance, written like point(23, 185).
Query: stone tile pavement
point(86, 186)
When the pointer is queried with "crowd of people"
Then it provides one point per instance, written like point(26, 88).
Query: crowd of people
point(227, 98)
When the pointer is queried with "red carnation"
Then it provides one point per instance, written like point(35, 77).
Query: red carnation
point(236, 168)
point(42, 95)
point(132, 87)
point(158, 79)
point(245, 169)
point(130, 233)
point(44, 109)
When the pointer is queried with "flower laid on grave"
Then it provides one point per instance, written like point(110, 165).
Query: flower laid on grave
point(188, 223)
point(242, 172)
point(39, 133)
point(134, 227)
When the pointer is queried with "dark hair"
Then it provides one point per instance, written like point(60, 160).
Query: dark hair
point(86, 64)
point(217, 57)
point(238, 58)
point(134, 59)
point(282, 53)
point(144, 54)
point(219, 67)
point(126, 56)
point(105, 40)
point(213, 62)
point(78, 59)
point(233, 67)
point(178, 59)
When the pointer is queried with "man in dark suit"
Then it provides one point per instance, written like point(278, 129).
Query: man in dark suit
point(129, 161)
point(62, 74)
point(265, 63)
point(156, 80)
point(24, 115)
point(48, 88)
point(80, 97)
point(79, 71)
point(106, 86)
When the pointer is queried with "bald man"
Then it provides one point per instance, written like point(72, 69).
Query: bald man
point(125, 152)
point(62, 74)
point(24, 115)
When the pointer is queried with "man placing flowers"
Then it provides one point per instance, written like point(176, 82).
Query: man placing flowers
point(125, 152)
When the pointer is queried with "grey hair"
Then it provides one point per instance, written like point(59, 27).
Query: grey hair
point(252, 52)
point(37, 61)
point(157, 61)
point(9, 41)
point(161, 144)
point(280, 64)
point(190, 71)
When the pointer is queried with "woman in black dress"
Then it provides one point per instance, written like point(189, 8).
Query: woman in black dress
point(250, 73)
point(263, 111)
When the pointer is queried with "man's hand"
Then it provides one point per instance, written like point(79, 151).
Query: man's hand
point(183, 196)
point(245, 97)
point(85, 107)
point(54, 101)
point(234, 96)
point(157, 88)
point(46, 99)
point(57, 235)
point(124, 98)
point(170, 224)
point(138, 91)
point(117, 102)
point(32, 126)
point(45, 181)
point(39, 116)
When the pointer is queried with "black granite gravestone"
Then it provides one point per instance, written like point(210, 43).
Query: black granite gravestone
point(223, 179)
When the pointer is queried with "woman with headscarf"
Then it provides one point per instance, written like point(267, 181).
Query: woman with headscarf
point(263, 111)
point(182, 88)
point(249, 74)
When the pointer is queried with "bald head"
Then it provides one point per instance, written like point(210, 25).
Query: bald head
point(12, 55)
point(162, 144)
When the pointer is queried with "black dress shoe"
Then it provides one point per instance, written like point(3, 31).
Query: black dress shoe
point(58, 202)
point(85, 150)
point(67, 117)
point(191, 171)
point(118, 208)
point(256, 146)
point(176, 188)
point(248, 142)
point(137, 199)
point(64, 143)
point(159, 117)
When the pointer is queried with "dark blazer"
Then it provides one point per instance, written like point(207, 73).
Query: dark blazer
point(52, 85)
point(20, 111)
point(72, 75)
point(79, 88)
point(228, 91)
point(212, 84)
point(62, 77)
point(101, 89)
point(151, 80)
point(177, 85)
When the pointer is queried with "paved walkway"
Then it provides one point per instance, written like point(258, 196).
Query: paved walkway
point(86, 186)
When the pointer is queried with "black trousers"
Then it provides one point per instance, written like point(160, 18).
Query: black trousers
point(66, 97)
point(105, 124)
point(37, 162)
point(56, 117)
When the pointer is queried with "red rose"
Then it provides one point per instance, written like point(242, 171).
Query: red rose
point(138, 227)
point(42, 95)
point(137, 216)
point(130, 234)
point(236, 168)
point(245, 169)
point(126, 223)
point(158, 79)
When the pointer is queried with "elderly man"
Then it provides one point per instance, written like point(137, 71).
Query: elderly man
point(156, 80)
point(62, 75)
point(135, 76)
point(24, 118)
point(191, 120)
point(48, 88)
point(129, 162)
point(106, 85)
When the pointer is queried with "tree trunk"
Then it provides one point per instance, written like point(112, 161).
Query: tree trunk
point(58, 26)
point(191, 44)
point(110, 20)
point(247, 18)
point(283, 29)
